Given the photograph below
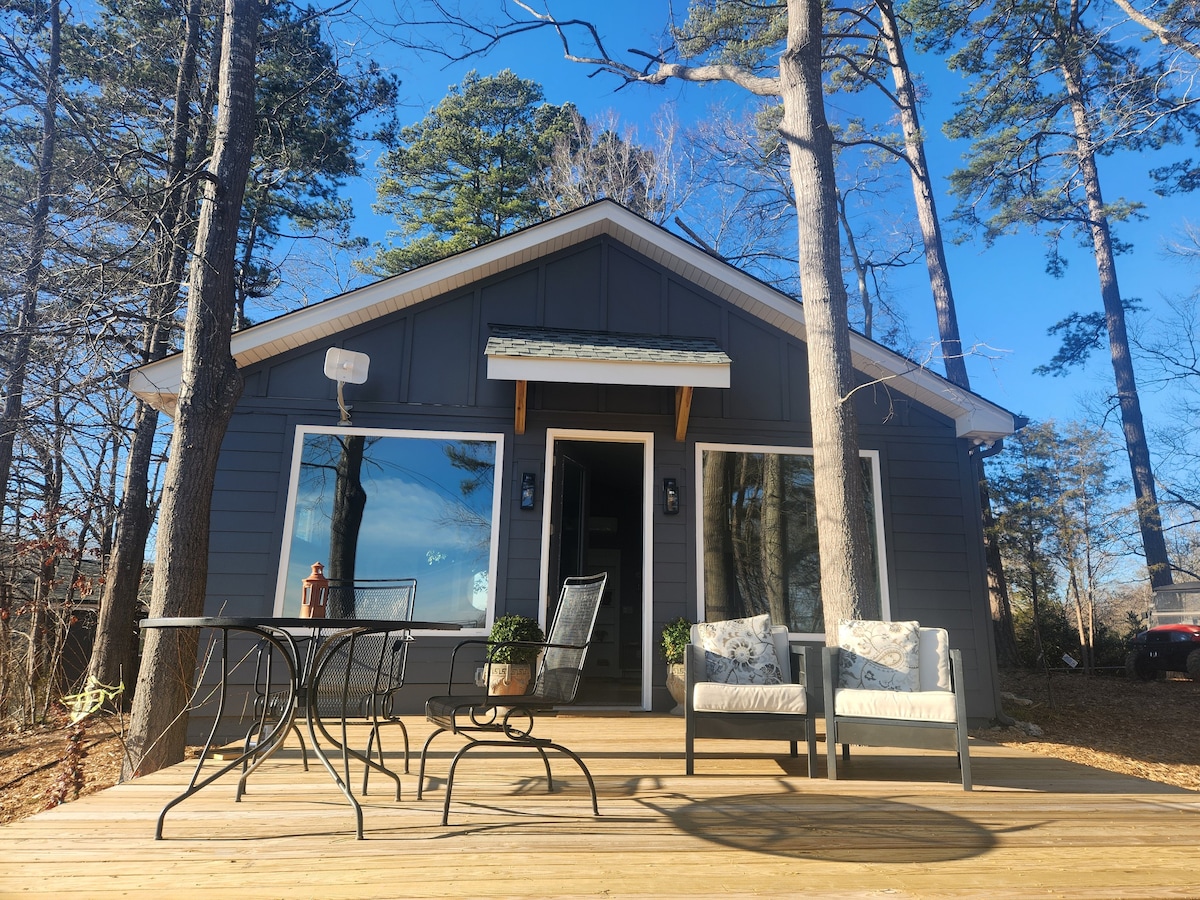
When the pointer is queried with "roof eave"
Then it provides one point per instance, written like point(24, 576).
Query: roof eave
point(976, 419)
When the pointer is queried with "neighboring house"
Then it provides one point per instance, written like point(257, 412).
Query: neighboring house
point(591, 393)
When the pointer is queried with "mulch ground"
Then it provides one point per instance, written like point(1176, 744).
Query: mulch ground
point(1150, 729)
point(34, 765)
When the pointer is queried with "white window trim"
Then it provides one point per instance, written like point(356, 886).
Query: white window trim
point(885, 605)
point(497, 494)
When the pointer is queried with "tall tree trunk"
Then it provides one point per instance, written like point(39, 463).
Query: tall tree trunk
point(938, 268)
point(860, 270)
point(17, 362)
point(209, 392)
point(1039, 645)
point(1004, 628)
point(111, 662)
point(112, 651)
point(847, 583)
point(1075, 593)
point(40, 670)
point(718, 577)
point(773, 540)
point(923, 194)
point(349, 502)
point(1136, 445)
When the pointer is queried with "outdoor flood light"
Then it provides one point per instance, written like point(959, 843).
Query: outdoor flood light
point(345, 366)
point(670, 496)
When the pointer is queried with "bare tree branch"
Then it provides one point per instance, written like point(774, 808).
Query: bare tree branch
point(1164, 33)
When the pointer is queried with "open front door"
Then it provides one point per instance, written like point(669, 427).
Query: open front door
point(568, 522)
point(598, 524)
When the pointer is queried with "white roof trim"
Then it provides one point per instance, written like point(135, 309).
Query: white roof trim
point(976, 418)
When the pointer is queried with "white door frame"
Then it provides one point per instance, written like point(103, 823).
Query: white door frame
point(646, 439)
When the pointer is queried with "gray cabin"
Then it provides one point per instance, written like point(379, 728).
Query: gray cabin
point(589, 394)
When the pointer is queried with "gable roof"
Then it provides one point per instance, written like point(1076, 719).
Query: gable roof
point(976, 419)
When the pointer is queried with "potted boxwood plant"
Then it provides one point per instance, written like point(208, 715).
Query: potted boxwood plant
point(511, 667)
point(675, 637)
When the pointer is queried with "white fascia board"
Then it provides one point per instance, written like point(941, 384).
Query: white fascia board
point(159, 382)
point(976, 419)
point(592, 371)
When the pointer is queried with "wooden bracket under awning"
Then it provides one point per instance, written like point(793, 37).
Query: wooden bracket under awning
point(683, 409)
point(525, 353)
point(522, 394)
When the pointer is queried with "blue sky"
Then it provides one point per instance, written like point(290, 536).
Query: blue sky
point(1005, 299)
point(444, 537)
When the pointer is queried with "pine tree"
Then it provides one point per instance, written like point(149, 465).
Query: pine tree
point(467, 173)
point(1050, 96)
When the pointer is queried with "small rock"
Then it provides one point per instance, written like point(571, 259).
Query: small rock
point(1014, 699)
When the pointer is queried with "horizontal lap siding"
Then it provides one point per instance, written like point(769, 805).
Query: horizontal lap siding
point(935, 553)
point(247, 514)
point(248, 506)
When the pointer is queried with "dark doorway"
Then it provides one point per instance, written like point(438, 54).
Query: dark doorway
point(597, 526)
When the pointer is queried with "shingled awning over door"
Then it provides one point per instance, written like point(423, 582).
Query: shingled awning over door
point(525, 353)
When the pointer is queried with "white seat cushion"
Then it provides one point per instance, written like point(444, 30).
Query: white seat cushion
point(715, 696)
point(918, 706)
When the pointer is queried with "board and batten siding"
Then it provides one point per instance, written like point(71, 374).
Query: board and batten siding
point(428, 372)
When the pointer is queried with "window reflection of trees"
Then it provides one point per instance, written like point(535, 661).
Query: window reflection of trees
point(358, 489)
point(340, 457)
point(477, 460)
point(760, 537)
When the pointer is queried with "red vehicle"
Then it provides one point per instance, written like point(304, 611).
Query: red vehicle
point(1165, 648)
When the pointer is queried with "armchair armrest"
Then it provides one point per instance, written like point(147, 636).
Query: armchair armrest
point(831, 662)
point(476, 642)
point(694, 669)
point(804, 666)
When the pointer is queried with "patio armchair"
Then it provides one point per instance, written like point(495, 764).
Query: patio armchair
point(507, 721)
point(715, 707)
point(894, 684)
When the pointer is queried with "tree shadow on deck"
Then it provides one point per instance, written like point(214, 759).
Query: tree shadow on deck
point(831, 828)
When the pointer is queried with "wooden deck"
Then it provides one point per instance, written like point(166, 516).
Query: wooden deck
point(748, 824)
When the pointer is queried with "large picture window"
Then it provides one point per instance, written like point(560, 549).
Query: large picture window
point(758, 536)
point(390, 504)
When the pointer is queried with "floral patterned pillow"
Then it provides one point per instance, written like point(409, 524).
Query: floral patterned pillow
point(740, 651)
point(879, 655)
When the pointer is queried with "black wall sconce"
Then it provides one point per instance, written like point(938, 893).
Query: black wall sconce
point(670, 496)
point(527, 490)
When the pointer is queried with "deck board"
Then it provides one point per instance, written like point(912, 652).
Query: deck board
point(747, 824)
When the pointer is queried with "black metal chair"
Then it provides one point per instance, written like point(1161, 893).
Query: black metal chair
point(359, 677)
point(508, 720)
point(363, 674)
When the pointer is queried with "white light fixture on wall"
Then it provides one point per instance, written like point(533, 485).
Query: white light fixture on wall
point(345, 366)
